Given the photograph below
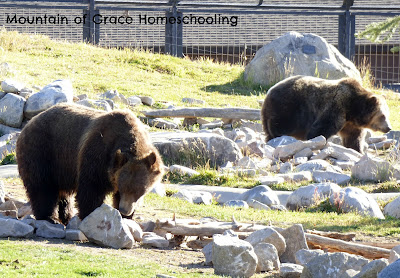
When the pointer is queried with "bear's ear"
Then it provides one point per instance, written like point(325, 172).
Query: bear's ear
point(120, 158)
point(150, 159)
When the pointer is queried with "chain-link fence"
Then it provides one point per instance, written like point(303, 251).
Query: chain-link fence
point(224, 31)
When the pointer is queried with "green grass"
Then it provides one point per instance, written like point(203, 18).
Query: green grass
point(213, 178)
point(37, 60)
point(324, 221)
point(21, 259)
point(27, 258)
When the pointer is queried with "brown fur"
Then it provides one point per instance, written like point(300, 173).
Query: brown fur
point(305, 107)
point(70, 149)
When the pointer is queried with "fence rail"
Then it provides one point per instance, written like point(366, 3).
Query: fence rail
point(146, 24)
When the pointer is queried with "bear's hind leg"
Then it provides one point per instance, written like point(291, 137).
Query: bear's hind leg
point(43, 200)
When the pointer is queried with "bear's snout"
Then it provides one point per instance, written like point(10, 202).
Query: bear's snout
point(126, 210)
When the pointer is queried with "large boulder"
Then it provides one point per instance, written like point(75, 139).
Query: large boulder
point(393, 208)
point(298, 54)
point(56, 92)
point(333, 265)
point(310, 195)
point(263, 194)
point(12, 110)
point(353, 199)
point(374, 169)
point(104, 226)
point(233, 257)
point(188, 148)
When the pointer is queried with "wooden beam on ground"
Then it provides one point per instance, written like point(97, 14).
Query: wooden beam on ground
point(199, 112)
point(342, 236)
point(189, 227)
point(337, 245)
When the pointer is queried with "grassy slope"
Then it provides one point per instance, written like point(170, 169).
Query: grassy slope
point(38, 60)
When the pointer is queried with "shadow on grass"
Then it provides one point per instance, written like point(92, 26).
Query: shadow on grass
point(237, 87)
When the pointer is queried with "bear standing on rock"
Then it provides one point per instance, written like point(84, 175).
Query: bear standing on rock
point(70, 149)
point(305, 107)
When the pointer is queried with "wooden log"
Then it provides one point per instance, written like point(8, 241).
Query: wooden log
point(195, 112)
point(331, 244)
point(189, 227)
point(342, 236)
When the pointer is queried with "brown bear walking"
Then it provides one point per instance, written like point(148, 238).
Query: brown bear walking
point(305, 107)
point(71, 149)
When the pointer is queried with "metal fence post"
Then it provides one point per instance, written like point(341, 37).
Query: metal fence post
point(91, 31)
point(173, 33)
point(346, 32)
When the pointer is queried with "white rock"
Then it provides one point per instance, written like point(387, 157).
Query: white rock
point(146, 100)
point(233, 257)
point(134, 101)
point(104, 226)
point(14, 228)
point(75, 235)
point(330, 176)
point(298, 54)
point(182, 170)
point(300, 160)
point(394, 254)
point(353, 199)
point(297, 177)
point(184, 194)
point(96, 104)
point(258, 205)
point(393, 209)
point(286, 167)
point(237, 204)
point(289, 270)
point(306, 152)
point(377, 139)
point(11, 86)
point(162, 123)
point(343, 153)
point(303, 256)
point(374, 169)
point(261, 193)
point(310, 195)
point(192, 100)
point(48, 230)
point(281, 141)
point(134, 228)
point(154, 240)
point(202, 197)
point(12, 110)
point(246, 162)
point(268, 235)
point(56, 92)
point(295, 240)
point(268, 258)
point(287, 151)
point(271, 180)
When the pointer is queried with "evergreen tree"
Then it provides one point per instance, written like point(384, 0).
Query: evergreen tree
point(384, 29)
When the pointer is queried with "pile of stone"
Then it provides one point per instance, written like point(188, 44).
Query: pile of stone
point(286, 250)
point(19, 103)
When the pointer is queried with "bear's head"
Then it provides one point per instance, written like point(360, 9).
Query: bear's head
point(366, 108)
point(135, 176)
point(379, 120)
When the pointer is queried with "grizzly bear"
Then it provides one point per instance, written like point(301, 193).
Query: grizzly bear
point(71, 149)
point(305, 107)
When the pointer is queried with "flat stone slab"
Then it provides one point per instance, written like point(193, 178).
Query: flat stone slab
point(9, 171)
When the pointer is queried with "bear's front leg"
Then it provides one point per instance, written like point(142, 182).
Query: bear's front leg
point(353, 137)
point(328, 125)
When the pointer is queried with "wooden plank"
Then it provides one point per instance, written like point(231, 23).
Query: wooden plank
point(195, 112)
point(338, 245)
